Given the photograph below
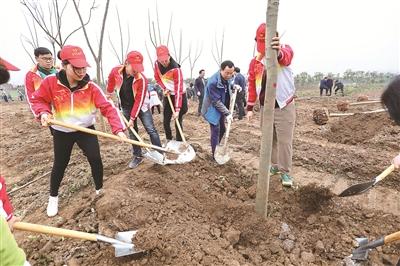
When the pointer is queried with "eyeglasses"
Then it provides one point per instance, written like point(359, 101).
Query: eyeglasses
point(48, 59)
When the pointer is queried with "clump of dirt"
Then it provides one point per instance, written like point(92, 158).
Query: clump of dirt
point(362, 98)
point(343, 106)
point(312, 197)
point(358, 128)
point(320, 116)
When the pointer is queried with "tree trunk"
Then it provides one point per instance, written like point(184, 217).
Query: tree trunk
point(268, 112)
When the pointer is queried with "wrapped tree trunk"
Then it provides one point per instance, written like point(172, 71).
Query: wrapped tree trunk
point(268, 112)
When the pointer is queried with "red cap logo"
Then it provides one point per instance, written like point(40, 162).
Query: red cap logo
point(74, 55)
point(162, 53)
point(135, 59)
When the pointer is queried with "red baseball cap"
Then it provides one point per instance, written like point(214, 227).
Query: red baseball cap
point(260, 34)
point(135, 59)
point(74, 55)
point(162, 53)
point(8, 65)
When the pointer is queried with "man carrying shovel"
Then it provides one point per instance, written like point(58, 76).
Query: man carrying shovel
point(215, 108)
point(285, 112)
point(135, 100)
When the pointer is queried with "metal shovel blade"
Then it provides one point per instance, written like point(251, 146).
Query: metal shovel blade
point(124, 245)
point(221, 154)
point(154, 156)
point(357, 189)
point(360, 253)
point(185, 152)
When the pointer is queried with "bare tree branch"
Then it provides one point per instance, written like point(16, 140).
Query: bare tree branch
point(148, 53)
point(151, 37)
point(114, 50)
point(158, 23)
point(26, 50)
point(192, 61)
point(169, 29)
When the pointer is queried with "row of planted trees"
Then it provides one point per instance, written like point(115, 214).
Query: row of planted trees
point(349, 75)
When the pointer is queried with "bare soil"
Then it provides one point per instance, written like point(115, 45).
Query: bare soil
point(201, 213)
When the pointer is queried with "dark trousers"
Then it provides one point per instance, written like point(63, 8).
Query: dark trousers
point(339, 89)
point(240, 101)
point(329, 90)
point(217, 132)
point(158, 109)
point(321, 91)
point(148, 124)
point(200, 104)
point(168, 116)
point(63, 143)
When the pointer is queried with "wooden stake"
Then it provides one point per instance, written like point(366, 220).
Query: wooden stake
point(271, 63)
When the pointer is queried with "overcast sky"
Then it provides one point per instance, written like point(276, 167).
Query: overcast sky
point(326, 35)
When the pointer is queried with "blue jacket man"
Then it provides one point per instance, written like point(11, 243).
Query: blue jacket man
point(215, 108)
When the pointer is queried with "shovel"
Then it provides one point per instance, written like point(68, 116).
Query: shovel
point(186, 151)
point(363, 187)
point(221, 154)
point(361, 253)
point(122, 243)
point(110, 136)
point(153, 156)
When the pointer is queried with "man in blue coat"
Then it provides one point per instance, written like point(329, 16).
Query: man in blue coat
point(215, 108)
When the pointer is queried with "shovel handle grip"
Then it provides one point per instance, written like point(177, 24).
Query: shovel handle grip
point(49, 230)
point(392, 237)
point(385, 173)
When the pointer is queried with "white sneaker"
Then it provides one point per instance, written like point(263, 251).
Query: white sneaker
point(52, 206)
point(99, 191)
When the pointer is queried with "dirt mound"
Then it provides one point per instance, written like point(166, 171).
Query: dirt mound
point(320, 116)
point(358, 128)
point(362, 98)
point(312, 198)
point(342, 106)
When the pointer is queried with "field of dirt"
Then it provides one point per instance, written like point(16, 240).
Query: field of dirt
point(201, 213)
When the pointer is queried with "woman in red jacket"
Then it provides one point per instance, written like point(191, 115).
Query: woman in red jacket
point(74, 99)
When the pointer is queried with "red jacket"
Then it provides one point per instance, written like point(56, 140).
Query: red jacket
point(32, 83)
point(141, 94)
point(172, 81)
point(6, 209)
point(115, 79)
point(285, 83)
point(78, 107)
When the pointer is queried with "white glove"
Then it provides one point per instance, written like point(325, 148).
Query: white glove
point(198, 93)
point(237, 87)
point(229, 118)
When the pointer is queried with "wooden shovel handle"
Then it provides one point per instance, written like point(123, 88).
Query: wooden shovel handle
point(131, 128)
point(231, 108)
point(385, 173)
point(102, 134)
point(178, 125)
point(392, 237)
point(365, 102)
point(49, 230)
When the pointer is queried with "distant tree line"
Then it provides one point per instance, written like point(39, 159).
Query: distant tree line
point(349, 75)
